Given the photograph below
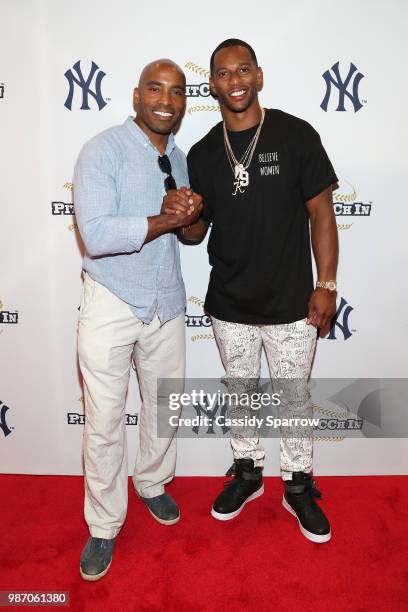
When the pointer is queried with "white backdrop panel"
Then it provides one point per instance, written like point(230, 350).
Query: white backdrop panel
point(40, 280)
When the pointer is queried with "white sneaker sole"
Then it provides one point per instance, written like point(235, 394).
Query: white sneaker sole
point(93, 578)
point(162, 521)
point(227, 517)
point(313, 537)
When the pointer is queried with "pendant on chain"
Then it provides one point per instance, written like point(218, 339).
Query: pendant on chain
point(241, 179)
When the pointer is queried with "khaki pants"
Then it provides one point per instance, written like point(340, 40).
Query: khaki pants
point(289, 349)
point(108, 335)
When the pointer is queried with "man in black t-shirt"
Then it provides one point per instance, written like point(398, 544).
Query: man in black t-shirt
point(264, 178)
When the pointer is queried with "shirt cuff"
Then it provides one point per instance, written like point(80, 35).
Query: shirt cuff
point(137, 234)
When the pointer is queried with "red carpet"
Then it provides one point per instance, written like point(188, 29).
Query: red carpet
point(259, 561)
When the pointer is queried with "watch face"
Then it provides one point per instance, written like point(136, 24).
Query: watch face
point(331, 285)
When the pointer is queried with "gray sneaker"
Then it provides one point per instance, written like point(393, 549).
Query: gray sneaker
point(96, 558)
point(163, 508)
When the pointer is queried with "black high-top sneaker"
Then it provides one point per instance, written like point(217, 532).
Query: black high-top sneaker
point(299, 500)
point(246, 485)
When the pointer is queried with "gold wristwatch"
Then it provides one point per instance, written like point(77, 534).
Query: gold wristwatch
point(331, 285)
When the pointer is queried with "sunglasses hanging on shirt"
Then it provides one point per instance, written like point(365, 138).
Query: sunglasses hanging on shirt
point(165, 166)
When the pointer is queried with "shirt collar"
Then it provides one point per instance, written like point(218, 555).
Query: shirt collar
point(144, 139)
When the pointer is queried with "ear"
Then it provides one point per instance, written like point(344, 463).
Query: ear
point(212, 88)
point(259, 78)
point(136, 96)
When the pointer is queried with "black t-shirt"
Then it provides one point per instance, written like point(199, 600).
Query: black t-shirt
point(259, 245)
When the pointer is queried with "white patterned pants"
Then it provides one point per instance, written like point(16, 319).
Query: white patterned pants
point(289, 349)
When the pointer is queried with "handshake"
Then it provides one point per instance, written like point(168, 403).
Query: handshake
point(184, 204)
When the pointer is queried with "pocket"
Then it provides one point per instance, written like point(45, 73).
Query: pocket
point(305, 329)
point(87, 292)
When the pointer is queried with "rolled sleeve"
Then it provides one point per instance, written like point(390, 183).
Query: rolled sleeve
point(137, 231)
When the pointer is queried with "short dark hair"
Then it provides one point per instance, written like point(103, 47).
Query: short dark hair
point(232, 42)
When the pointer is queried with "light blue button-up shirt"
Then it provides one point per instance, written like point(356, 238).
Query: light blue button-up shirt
point(117, 185)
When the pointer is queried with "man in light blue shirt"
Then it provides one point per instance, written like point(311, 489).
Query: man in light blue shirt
point(133, 303)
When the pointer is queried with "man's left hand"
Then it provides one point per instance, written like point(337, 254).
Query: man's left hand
point(322, 308)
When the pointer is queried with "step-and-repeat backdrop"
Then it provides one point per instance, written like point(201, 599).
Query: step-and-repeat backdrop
point(67, 72)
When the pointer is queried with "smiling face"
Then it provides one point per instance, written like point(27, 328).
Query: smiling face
point(160, 98)
point(236, 79)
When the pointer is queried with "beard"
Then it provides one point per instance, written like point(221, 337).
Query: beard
point(241, 107)
point(155, 125)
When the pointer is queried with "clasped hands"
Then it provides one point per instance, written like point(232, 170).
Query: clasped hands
point(184, 203)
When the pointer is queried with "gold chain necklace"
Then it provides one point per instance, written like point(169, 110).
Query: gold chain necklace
point(240, 167)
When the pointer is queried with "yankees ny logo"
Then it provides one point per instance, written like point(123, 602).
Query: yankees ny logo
point(85, 86)
point(203, 409)
point(342, 87)
point(3, 424)
point(343, 326)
